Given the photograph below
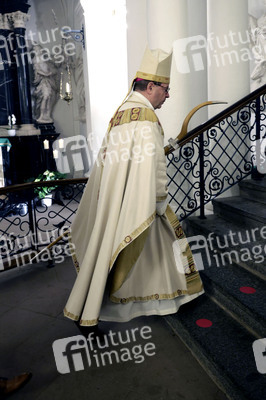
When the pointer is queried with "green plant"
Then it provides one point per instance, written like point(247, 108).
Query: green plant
point(47, 175)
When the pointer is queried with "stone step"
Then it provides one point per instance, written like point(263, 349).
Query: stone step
point(224, 349)
point(226, 281)
point(223, 236)
point(252, 189)
point(250, 213)
point(239, 293)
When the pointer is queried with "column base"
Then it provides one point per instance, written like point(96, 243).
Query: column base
point(21, 130)
point(46, 128)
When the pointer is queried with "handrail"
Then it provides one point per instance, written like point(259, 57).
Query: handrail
point(33, 185)
point(217, 118)
point(230, 150)
point(29, 223)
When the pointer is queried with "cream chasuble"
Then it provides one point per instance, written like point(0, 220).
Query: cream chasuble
point(132, 258)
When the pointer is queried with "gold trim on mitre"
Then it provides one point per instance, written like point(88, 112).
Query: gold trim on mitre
point(150, 77)
point(155, 66)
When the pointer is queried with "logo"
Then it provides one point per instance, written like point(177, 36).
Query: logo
point(190, 54)
point(259, 350)
point(73, 155)
point(77, 352)
point(199, 248)
point(71, 354)
point(196, 53)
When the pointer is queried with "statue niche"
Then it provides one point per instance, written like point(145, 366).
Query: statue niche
point(46, 83)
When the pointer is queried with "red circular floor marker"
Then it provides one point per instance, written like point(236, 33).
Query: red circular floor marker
point(247, 289)
point(204, 323)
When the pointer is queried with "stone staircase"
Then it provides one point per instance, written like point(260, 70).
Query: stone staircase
point(230, 253)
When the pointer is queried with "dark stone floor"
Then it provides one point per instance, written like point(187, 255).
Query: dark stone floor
point(31, 302)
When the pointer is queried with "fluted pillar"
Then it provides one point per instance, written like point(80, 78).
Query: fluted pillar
point(229, 51)
point(19, 20)
point(9, 103)
point(228, 66)
point(184, 19)
point(173, 15)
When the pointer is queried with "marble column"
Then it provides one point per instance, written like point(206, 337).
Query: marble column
point(19, 20)
point(9, 103)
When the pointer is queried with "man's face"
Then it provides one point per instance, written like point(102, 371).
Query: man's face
point(159, 93)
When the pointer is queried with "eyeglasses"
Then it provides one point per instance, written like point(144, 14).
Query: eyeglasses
point(166, 89)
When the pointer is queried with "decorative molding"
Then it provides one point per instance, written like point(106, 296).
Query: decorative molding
point(5, 23)
point(22, 130)
point(79, 11)
point(80, 88)
point(19, 19)
point(2, 21)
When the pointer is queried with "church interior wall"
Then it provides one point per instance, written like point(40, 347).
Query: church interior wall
point(146, 22)
point(116, 34)
point(187, 20)
point(47, 18)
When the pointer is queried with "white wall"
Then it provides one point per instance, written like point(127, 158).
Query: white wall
point(197, 87)
point(106, 48)
point(136, 35)
point(167, 22)
point(228, 72)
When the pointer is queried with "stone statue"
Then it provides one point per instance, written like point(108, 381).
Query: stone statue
point(46, 85)
point(258, 41)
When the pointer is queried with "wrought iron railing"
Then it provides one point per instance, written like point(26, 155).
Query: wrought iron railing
point(28, 223)
point(225, 150)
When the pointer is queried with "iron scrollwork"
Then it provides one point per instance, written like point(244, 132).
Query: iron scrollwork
point(27, 224)
point(229, 155)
